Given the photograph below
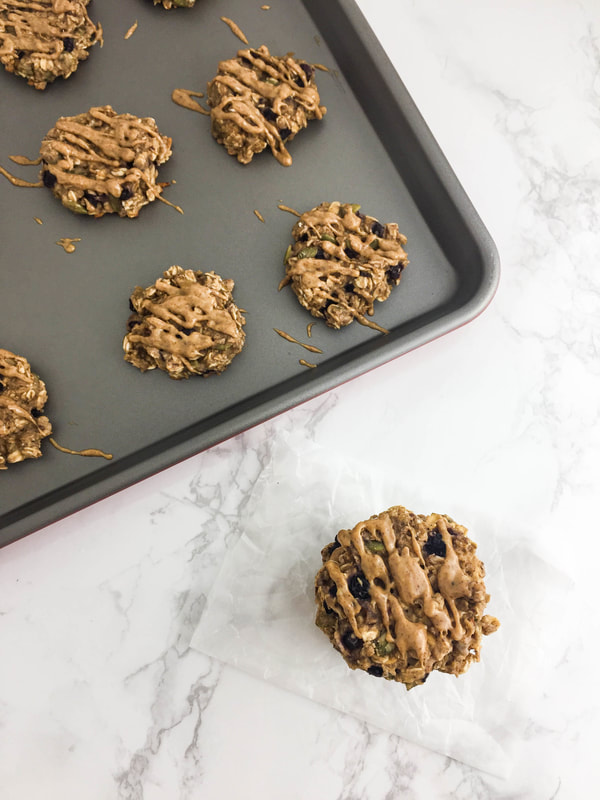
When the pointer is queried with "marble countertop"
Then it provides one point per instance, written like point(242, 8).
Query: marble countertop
point(101, 694)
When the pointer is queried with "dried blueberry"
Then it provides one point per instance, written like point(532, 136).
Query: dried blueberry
point(308, 70)
point(268, 114)
point(359, 586)
point(435, 545)
point(350, 641)
point(376, 670)
point(327, 610)
point(126, 193)
point(92, 198)
point(320, 253)
point(394, 272)
point(298, 81)
point(303, 238)
point(378, 229)
point(36, 413)
point(69, 44)
point(285, 132)
point(351, 253)
point(48, 179)
point(349, 287)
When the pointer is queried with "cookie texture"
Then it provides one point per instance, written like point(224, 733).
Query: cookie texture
point(46, 39)
point(175, 3)
point(342, 261)
point(401, 595)
point(258, 100)
point(22, 399)
point(186, 324)
point(101, 162)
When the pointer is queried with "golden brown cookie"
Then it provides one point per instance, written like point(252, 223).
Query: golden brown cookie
point(258, 100)
point(401, 595)
point(101, 162)
point(45, 40)
point(186, 324)
point(22, 399)
point(342, 261)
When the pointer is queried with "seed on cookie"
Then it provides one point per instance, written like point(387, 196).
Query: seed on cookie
point(342, 261)
point(22, 399)
point(45, 40)
point(185, 324)
point(259, 100)
point(101, 162)
point(403, 595)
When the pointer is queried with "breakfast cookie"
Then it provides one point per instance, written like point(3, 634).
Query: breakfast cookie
point(185, 324)
point(101, 162)
point(22, 399)
point(402, 594)
point(45, 40)
point(342, 261)
point(258, 100)
point(175, 3)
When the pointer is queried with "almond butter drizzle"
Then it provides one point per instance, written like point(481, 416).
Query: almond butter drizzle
point(19, 181)
point(235, 29)
point(289, 338)
point(25, 162)
point(169, 203)
point(93, 452)
point(403, 573)
point(259, 215)
point(246, 86)
point(185, 99)
point(131, 30)
point(289, 210)
point(306, 363)
point(67, 244)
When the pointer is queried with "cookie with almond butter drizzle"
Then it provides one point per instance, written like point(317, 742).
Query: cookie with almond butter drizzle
point(23, 396)
point(101, 162)
point(258, 100)
point(185, 324)
point(401, 595)
point(46, 39)
point(175, 3)
point(342, 261)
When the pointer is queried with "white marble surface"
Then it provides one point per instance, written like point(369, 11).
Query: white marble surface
point(101, 695)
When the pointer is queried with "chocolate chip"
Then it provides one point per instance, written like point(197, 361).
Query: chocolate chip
point(376, 670)
point(359, 586)
point(36, 413)
point(350, 641)
point(351, 253)
point(69, 44)
point(187, 331)
point(378, 229)
point(48, 179)
point(435, 545)
point(349, 287)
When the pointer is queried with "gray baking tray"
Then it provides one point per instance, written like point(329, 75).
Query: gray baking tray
point(67, 313)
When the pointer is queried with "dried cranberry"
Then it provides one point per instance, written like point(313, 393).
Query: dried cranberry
point(378, 229)
point(268, 114)
point(69, 44)
point(48, 179)
point(435, 545)
point(394, 272)
point(376, 670)
point(359, 586)
point(308, 70)
point(350, 641)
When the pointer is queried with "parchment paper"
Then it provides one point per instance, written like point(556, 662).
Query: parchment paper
point(260, 612)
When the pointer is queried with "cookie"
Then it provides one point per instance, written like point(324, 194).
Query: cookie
point(175, 3)
point(342, 261)
point(101, 162)
point(45, 40)
point(401, 595)
point(258, 100)
point(185, 324)
point(22, 399)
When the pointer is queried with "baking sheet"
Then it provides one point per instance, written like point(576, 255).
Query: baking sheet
point(66, 313)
